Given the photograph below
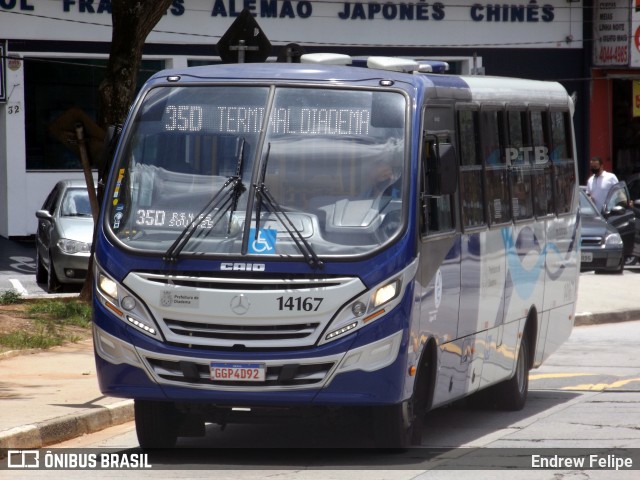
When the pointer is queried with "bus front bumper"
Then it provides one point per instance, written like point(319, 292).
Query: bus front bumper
point(370, 374)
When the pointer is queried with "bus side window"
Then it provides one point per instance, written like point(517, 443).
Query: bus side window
point(562, 160)
point(496, 172)
point(471, 184)
point(542, 181)
point(437, 210)
point(520, 144)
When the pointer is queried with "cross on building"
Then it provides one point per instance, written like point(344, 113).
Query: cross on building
point(241, 48)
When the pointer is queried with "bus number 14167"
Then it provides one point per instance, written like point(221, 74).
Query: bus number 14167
point(306, 304)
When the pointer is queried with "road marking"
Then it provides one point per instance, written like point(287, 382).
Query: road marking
point(540, 376)
point(603, 386)
point(17, 286)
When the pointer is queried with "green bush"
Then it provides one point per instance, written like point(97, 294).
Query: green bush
point(8, 297)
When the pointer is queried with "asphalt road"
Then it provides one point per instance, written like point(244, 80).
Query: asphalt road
point(585, 398)
point(18, 269)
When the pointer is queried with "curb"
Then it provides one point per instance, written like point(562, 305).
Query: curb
point(66, 427)
point(588, 318)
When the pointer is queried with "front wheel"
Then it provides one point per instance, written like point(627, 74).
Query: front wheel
point(41, 271)
point(53, 284)
point(394, 425)
point(156, 423)
point(400, 425)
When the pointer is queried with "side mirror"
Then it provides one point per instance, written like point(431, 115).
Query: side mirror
point(617, 210)
point(43, 215)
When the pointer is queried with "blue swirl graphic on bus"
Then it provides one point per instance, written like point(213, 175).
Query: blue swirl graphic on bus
point(524, 280)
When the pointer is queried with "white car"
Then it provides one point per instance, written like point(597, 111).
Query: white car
point(64, 235)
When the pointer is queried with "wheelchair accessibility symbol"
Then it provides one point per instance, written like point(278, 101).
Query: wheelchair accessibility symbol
point(264, 243)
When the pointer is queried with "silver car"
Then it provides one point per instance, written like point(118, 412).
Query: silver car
point(65, 232)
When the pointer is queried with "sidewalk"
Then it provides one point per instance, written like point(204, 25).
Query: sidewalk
point(51, 396)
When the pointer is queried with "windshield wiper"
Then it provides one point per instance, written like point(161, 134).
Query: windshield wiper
point(263, 195)
point(225, 200)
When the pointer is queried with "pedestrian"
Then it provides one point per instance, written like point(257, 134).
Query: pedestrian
point(600, 182)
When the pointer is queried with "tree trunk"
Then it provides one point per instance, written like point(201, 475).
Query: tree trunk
point(132, 22)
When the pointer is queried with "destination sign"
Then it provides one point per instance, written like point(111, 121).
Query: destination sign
point(239, 119)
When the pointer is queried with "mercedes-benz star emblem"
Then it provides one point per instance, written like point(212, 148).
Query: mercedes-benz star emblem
point(240, 304)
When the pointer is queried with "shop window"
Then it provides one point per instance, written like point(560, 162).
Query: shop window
point(57, 87)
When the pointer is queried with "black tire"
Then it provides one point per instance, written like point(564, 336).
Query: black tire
point(630, 260)
point(512, 393)
point(393, 425)
point(157, 424)
point(400, 426)
point(41, 271)
point(53, 284)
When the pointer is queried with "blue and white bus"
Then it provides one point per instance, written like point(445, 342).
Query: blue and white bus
point(315, 235)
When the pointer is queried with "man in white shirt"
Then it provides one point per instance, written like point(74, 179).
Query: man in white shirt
point(600, 182)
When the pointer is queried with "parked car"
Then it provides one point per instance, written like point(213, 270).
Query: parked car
point(601, 244)
point(633, 183)
point(619, 212)
point(64, 235)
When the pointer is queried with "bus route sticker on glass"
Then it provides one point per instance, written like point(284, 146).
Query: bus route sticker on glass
point(264, 243)
point(238, 372)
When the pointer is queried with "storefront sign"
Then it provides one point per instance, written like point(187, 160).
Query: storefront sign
point(635, 34)
point(636, 98)
point(412, 23)
point(611, 32)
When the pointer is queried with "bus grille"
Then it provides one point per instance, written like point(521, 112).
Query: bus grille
point(240, 333)
point(283, 375)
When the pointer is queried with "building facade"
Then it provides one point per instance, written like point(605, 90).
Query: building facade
point(615, 95)
point(54, 54)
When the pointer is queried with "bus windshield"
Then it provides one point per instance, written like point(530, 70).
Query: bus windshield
point(259, 170)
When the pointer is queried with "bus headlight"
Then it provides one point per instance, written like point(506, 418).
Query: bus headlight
point(123, 304)
point(386, 293)
point(108, 287)
point(370, 306)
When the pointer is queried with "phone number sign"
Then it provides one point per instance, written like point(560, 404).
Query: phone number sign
point(611, 32)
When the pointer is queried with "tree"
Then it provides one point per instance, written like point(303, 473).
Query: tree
point(132, 22)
